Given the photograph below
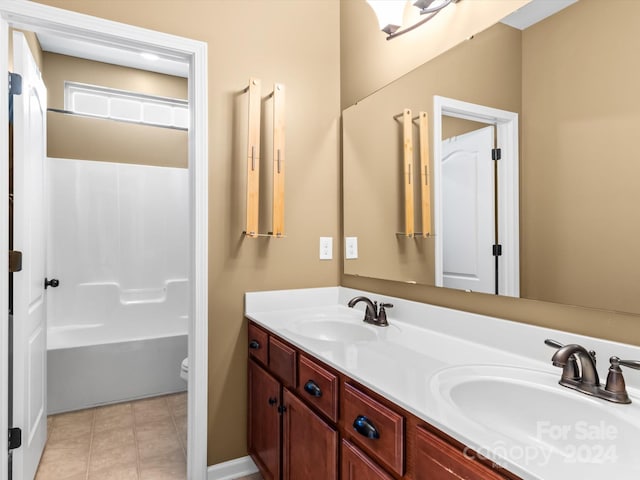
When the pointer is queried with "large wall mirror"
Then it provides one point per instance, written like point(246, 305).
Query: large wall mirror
point(573, 79)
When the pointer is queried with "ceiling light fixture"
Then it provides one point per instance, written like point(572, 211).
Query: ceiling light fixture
point(390, 14)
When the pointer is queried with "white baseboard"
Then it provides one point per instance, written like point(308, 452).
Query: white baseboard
point(232, 469)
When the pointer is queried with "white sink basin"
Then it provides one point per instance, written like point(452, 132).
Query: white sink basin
point(336, 331)
point(529, 410)
point(339, 327)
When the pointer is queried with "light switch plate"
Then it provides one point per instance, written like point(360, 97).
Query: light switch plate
point(351, 248)
point(326, 248)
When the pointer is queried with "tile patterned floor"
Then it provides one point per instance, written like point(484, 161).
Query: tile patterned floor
point(141, 440)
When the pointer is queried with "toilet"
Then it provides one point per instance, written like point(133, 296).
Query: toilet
point(184, 369)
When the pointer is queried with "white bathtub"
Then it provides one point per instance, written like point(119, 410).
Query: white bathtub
point(131, 350)
point(118, 241)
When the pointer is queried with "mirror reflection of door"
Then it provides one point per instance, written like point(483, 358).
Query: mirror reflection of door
point(468, 226)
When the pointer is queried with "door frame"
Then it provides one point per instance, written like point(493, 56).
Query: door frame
point(36, 17)
point(508, 185)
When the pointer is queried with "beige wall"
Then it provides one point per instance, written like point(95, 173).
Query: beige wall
point(373, 149)
point(579, 175)
point(545, 184)
point(273, 41)
point(84, 138)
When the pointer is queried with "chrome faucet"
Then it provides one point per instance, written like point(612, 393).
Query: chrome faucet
point(372, 315)
point(587, 380)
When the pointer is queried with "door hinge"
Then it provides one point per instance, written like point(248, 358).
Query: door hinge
point(497, 250)
point(496, 153)
point(15, 261)
point(282, 409)
point(15, 438)
point(15, 84)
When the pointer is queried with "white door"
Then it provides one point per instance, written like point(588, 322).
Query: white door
point(29, 320)
point(468, 220)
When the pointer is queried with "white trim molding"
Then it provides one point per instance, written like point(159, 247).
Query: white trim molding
point(508, 185)
point(36, 17)
point(232, 469)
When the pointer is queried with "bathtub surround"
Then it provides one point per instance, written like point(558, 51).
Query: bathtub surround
point(118, 242)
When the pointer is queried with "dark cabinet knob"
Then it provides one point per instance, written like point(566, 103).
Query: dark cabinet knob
point(365, 428)
point(312, 389)
point(273, 400)
point(254, 345)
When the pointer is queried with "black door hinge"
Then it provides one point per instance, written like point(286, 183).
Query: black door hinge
point(496, 153)
point(15, 438)
point(497, 250)
point(282, 409)
point(15, 84)
point(15, 261)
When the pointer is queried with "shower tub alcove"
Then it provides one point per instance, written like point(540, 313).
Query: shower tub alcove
point(117, 325)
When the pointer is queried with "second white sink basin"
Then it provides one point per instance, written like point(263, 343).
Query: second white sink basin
point(533, 412)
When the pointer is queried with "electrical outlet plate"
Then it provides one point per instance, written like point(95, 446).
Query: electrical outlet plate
point(351, 248)
point(326, 248)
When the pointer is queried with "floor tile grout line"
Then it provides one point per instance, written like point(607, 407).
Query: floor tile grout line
point(93, 427)
point(135, 438)
point(175, 427)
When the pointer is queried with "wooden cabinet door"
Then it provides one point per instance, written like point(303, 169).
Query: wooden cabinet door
point(357, 466)
point(438, 460)
point(310, 445)
point(264, 427)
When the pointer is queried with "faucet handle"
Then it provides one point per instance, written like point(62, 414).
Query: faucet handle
point(615, 381)
point(382, 314)
point(553, 343)
point(626, 363)
point(570, 370)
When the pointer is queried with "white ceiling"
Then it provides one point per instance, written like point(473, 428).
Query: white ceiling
point(77, 47)
point(534, 12)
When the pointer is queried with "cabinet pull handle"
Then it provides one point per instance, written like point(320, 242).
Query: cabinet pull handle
point(365, 428)
point(273, 400)
point(312, 389)
point(254, 345)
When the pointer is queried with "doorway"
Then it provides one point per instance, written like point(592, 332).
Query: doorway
point(34, 17)
point(506, 187)
point(469, 220)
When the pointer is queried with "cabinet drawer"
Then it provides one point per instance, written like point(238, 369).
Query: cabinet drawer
point(318, 387)
point(258, 344)
point(437, 459)
point(356, 465)
point(375, 428)
point(282, 362)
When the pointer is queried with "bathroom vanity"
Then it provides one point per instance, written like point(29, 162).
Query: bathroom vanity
point(295, 429)
point(438, 394)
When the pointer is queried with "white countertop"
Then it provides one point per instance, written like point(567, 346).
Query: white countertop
point(410, 361)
